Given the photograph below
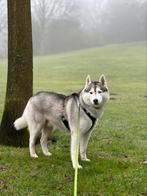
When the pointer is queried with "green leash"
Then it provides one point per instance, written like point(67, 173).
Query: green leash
point(77, 153)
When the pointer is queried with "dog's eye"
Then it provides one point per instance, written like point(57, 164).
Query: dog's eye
point(99, 91)
point(91, 92)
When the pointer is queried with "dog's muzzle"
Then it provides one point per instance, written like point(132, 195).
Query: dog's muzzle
point(95, 101)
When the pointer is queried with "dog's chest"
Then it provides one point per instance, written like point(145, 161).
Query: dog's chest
point(86, 123)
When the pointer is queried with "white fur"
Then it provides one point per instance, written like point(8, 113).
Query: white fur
point(20, 123)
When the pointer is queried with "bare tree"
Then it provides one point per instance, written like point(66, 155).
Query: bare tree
point(3, 28)
point(43, 12)
point(47, 14)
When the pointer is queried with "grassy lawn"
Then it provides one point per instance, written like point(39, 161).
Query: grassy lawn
point(117, 148)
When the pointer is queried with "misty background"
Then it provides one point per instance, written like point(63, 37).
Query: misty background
point(65, 25)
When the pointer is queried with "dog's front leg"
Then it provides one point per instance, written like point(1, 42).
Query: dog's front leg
point(83, 146)
point(73, 149)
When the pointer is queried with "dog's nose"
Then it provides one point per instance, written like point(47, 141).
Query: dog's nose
point(95, 101)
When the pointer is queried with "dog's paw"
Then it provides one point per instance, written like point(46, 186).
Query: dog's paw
point(34, 156)
point(79, 166)
point(85, 159)
point(48, 154)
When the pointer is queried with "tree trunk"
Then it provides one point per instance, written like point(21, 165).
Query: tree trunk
point(20, 71)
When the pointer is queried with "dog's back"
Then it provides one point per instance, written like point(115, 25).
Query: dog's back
point(44, 107)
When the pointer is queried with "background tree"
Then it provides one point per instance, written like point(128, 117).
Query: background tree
point(56, 26)
point(3, 28)
point(43, 12)
point(124, 21)
point(19, 78)
point(63, 25)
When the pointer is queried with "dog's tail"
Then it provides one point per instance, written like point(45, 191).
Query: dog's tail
point(20, 123)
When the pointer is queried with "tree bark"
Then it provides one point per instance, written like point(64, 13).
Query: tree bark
point(20, 71)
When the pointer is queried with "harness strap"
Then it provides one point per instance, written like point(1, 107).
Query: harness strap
point(93, 119)
point(65, 121)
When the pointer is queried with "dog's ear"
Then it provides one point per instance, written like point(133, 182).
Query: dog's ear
point(102, 80)
point(87, 81)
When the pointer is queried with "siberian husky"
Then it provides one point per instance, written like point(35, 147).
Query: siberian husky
point(48, 110)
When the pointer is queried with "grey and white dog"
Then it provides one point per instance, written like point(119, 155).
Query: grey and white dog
point(48, 110)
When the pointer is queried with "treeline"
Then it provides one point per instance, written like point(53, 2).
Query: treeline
point(63, 25)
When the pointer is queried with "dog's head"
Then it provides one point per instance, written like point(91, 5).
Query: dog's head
point(95, 93)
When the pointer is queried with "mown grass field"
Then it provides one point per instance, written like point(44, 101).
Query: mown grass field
point(118, 146)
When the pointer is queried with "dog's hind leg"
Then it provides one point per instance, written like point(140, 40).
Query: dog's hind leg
point(35, 130)
point(44, 136)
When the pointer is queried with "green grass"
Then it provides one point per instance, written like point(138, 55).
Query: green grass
point(117, 147)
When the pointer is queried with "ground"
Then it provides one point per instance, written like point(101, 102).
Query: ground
point(117, 148)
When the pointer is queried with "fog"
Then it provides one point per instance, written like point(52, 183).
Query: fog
point(65, 25)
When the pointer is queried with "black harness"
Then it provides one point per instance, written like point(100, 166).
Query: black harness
point(93, 119)
point(65, 121)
